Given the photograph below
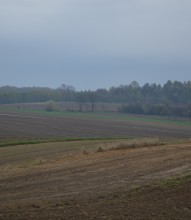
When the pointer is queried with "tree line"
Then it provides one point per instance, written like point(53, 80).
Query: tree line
point(172, 98)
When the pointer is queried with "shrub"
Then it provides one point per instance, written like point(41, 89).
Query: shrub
point(50, 106)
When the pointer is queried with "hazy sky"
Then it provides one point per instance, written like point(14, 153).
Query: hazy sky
point(94, 43)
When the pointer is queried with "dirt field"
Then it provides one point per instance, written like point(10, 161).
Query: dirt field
point(106, 185)
point(70, 124)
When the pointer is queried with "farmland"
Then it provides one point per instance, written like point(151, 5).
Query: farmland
point(40, 124)
point(72, 165)
point(62, 181)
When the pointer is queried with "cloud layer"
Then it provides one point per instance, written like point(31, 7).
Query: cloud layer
point(94, 43)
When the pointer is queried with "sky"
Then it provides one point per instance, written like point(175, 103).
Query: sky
point(94, 44)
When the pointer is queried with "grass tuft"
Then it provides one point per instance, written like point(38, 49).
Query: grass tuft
point(85, 152)
point(174, 182)
point(100, 149)
point(38, 161)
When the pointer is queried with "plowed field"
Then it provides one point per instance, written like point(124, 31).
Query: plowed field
point(115, 184)
point(84, 125)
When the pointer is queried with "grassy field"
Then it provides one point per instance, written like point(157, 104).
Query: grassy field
point(99, 115)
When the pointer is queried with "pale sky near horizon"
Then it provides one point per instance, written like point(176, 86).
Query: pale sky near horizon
point(94, 44)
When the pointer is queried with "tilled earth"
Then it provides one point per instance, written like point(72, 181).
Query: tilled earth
point(30, 125)
point(106, 185)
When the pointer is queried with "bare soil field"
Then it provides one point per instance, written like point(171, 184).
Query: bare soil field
point(73, 184)
point(41, 124)
point(75, 180)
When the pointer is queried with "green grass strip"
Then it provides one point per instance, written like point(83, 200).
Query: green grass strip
point(105, 116)
point(53, 140)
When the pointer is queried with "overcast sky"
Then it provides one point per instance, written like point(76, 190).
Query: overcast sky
point(94, 44)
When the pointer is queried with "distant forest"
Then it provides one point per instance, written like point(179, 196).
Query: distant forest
point(172, 99)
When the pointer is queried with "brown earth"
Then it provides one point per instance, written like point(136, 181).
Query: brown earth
point(106, 185)
point(30, 125)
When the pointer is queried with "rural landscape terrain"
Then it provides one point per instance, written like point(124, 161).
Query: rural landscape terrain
point(95, 110)
point(93, 165)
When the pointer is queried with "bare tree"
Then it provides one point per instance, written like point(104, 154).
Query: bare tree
point(80, 98)
point(67, 92)
point(92, 98)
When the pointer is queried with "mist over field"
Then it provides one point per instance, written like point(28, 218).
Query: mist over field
point(94, 44)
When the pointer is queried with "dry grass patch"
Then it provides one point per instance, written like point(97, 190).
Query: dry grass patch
point(133, 143)
point(38, 161)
